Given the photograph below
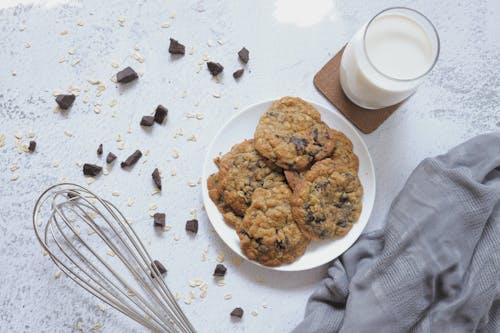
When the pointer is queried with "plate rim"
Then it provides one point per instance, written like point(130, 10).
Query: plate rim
point(208, 159)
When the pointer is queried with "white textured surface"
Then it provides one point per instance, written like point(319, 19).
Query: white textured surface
point(460, 99)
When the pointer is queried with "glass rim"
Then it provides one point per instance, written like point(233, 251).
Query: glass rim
point(438, 47)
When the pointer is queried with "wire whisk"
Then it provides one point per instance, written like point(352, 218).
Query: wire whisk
point(107, 259)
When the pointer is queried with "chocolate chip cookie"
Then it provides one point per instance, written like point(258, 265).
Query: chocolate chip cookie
point(292, 135)
point(268, 233)
point(213, 191)
point(327, 201)
point(242, 170)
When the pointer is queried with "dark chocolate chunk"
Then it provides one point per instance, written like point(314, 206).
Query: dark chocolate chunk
point(132, 159)
point(147, 121)
point(159, 266)
point(110, 158)
point(160, 114)
point(237, 312)
point(175, 47)
point(99, 149)
point(156, 178)
point(91, 169)
point(192, 225)
point(238, 73)
point(65, 101)
point(159, 219)
point(244, 55)
point(126, 75)
point(220, 270)
point(32, 146)
point(214, 68)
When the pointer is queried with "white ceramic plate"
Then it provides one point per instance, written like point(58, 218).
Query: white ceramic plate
point(241, 127)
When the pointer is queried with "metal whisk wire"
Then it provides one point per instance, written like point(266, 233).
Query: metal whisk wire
point(132, 284)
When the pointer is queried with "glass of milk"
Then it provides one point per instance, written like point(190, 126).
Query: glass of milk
point(388, 57)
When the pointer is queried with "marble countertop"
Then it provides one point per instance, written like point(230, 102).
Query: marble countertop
point(48, 46)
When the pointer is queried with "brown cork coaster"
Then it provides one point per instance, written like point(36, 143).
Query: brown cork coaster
point(328, 83)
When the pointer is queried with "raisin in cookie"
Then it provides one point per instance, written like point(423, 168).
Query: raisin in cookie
point(292, 134)
point(268, 233)
point(213, 191)
point(242, 170)
point(327, 201)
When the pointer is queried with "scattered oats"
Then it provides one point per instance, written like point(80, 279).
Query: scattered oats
point(90, 232)
point(71, 51)
point(62, 59)
point(220, 42)
point(115, 193)
point(44, 253)
point(79, 163)
point(205, 57)
point(121, 20)
point(138, 57)
point(172, 16)
point(216, 79)
point(190, 115)
point(57, 275)
point(63, 33)
point(216, 95)
point(176, 237)
point(192, 138)
point(68, 133)
point(191, 51)
point(110, 253)
point(130, 293)
point(101, 307)
point(192, 295)
point(146, 152)
point(113, 102)
point(210, 43)
point(155, 191)
point(80, 23)
point(165, 25)
point(79, 325)
point(264, 305)
point(121, 146)
point(153, 207)
point(192, 284)
point(13, 73)
point(203, 256)
point(194, 213)
point(90, 180)
point(228, 296)
point(55, 164)
point(14, 177)
point(75, 62)
point(130, 202)
point(175, 153)
point(220, 258)
point(221, 283)
point(236, 261)
point(180, 132)
point(115, 65)
point(167, 227)
point(96, 327)
point(151, 213)
point(199, 283)
point(191, 183)
point(18, 135)
point(177, 295)
point(74, 90)
point(27, 45)
point(22, 27)
point(198, 181)
point(200, 116)
point(31, 134)
point(13, 167)
point(187, 300)
point(105, 171)
point(93, 82)
point(97, 109)
point(129, 130)
point(255, 313)
point(85, 99)
point(56, 109)
point(100, 89)
point(119, 137)
point(203, 293)
point(173, 172)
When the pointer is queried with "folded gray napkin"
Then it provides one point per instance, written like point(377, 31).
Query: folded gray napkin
point(436, 265)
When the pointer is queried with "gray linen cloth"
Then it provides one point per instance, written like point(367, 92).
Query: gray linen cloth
point(436, 265)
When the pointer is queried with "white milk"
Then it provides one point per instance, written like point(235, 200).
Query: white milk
point(400, 51)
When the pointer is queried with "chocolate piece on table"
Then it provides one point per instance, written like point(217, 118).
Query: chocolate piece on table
point(157, 178)
point(132, 159)
point(160, 113)
point(237, 312)
point(192, 226)
point(147, 121)
point(65, 101)
point(32, 146)
point(110, 158)
point(220, 270)
point(126, 75)
point(99, 149)
point(159, 266)
point(175, 47)
point(214, 68)
point(91, 169)
point(244, 55)
point(238, 73)
point(159, 219)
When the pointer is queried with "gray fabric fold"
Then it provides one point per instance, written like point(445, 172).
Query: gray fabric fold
point(436, 265)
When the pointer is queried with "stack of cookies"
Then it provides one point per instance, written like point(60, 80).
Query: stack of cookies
point(295, 181)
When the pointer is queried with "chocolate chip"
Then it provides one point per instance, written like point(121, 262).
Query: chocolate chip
point(214, 68)
point(300, 143)
point(237, 312)
point(175, 47)
point(159, 266)
point(147, 121)
point(32, 146)
point(91, 169)
point(160, 114)
point(126, 75)
point(110, 158)
point(192, 225)
point(132, 159)
point(244, 55)
point(159, 219)
point(99, 149)
point(238, 73)
point(65, 101)
point(220, 270)
point(156, 178)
